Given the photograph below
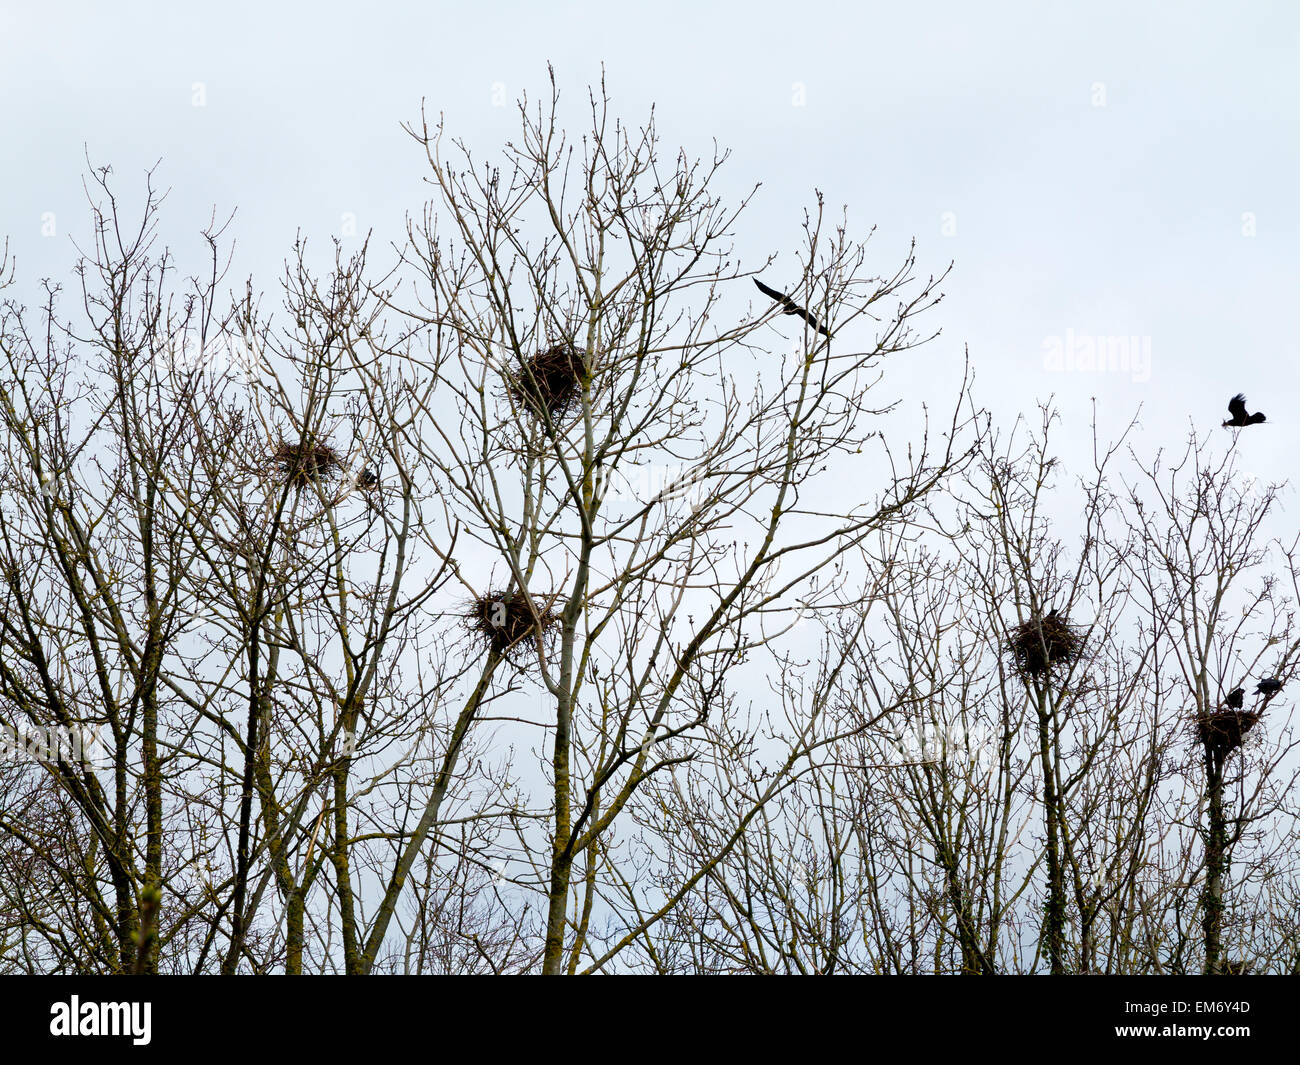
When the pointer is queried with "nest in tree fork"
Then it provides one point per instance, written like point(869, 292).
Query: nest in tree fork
point(306, 462)
point(504, 621)
point(1223, 730)
point(1040, 644)
point(551, 380)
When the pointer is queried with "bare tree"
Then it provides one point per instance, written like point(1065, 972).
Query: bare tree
point(552, 599)
point(633, 460)
point(923, 840)
point(1221, 589)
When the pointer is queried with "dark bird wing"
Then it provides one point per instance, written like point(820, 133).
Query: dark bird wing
point(788, 306)
point(1237, 407)
point(780, 297)
point(812, 321)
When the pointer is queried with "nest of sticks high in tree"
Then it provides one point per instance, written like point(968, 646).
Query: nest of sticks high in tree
point(1041, 644)
point(549, 381)
point(1222, 730)
point(309, 461)
point(506, 623)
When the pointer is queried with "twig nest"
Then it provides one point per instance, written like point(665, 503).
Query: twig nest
point(1223, 730)
point(505, 623)
point(549, 381)
point(1040, 644)
point(306, 462)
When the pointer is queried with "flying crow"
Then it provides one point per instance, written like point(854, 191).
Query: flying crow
point(1240, 419)
point(1268, 687)
point(788, 306)
point(1235, 698)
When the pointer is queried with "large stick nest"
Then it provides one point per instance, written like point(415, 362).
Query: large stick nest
point(549, 381)
point(505, 623)
point(306, 462)
point(1040, 644)
point(1223, 730)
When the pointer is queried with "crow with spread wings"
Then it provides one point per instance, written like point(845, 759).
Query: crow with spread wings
point(1240, 419)
point(788, 306)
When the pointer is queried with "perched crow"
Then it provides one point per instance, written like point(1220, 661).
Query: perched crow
point(367, 478)
point(1268, 687)
point(1235, 697)
point(1240, 419)
point(788, 306)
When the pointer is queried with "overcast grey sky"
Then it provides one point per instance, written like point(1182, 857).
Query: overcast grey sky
point(1094, 169)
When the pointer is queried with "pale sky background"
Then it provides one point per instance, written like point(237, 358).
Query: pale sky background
point(1098, 159)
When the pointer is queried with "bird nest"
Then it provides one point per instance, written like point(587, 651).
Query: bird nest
point(504, 621)
point(1224, 729)
point(306, 462)
point(549, 381)
point(1040, 644)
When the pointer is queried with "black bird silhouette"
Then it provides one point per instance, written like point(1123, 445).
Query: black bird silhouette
point(788, 306)
point(367, 478)
point(1268, 687)
point(1235, 698)
point(1240, 419)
